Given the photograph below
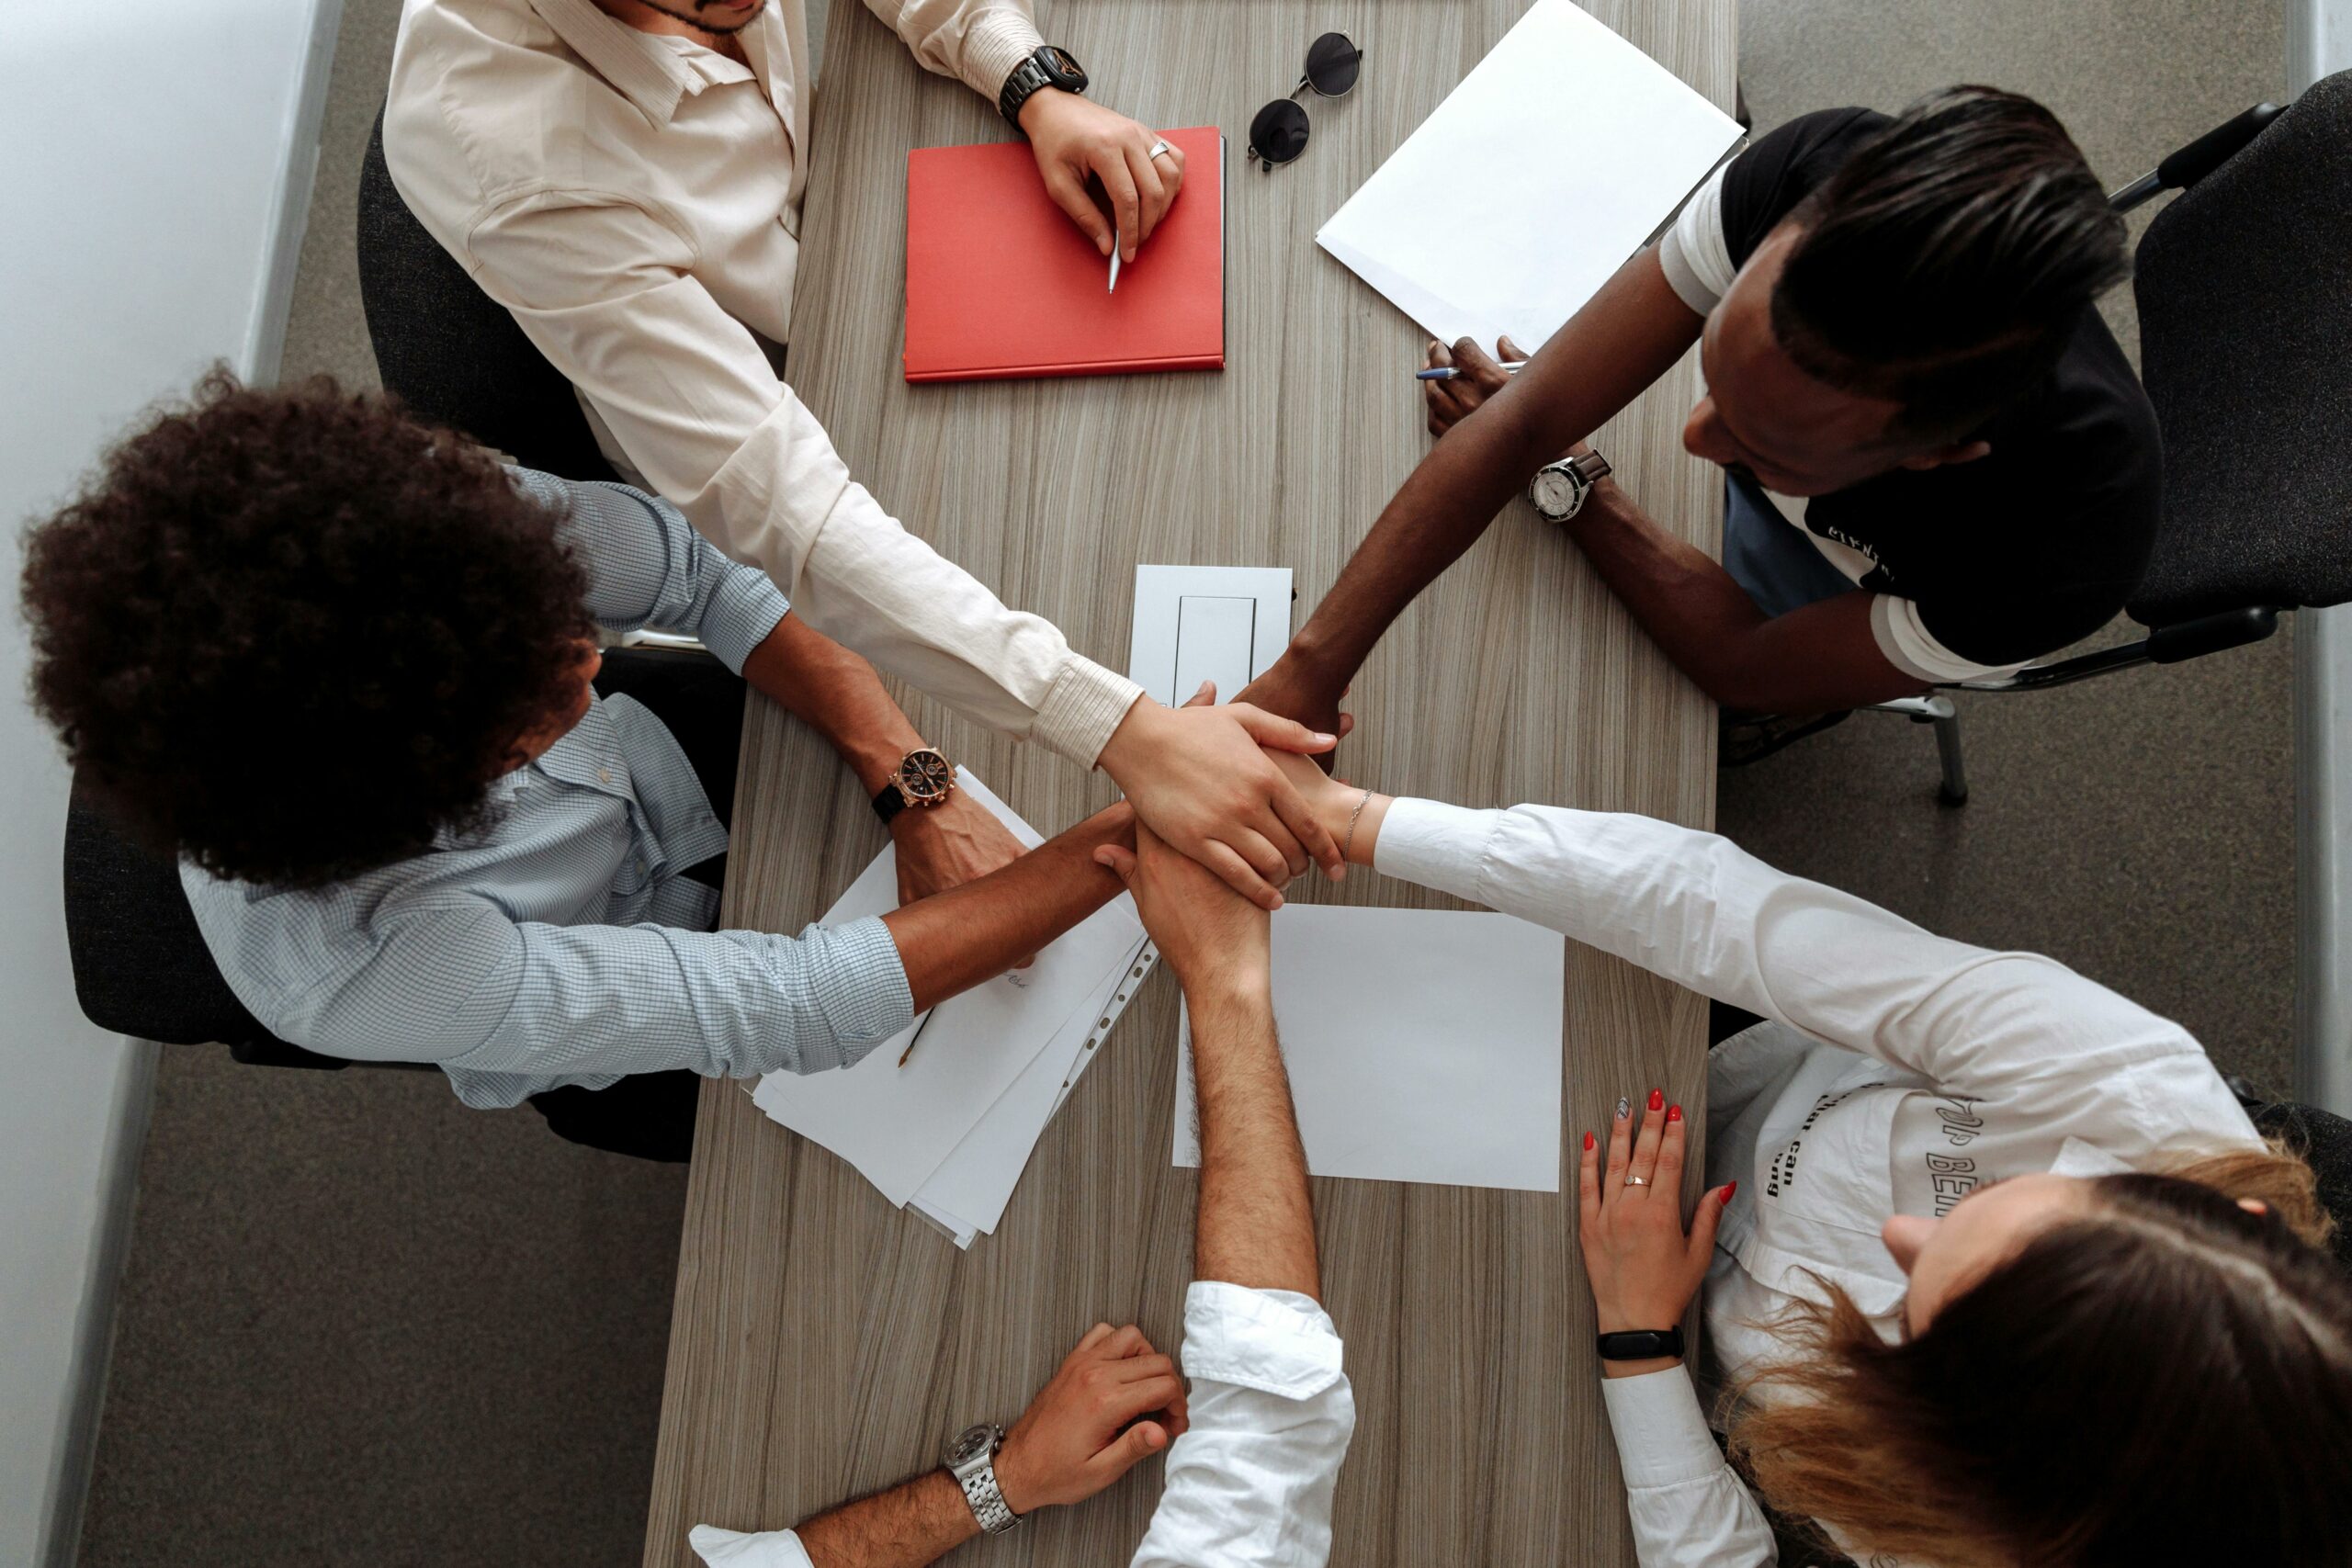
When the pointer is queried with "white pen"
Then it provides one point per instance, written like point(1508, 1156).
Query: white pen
point(1114, 262)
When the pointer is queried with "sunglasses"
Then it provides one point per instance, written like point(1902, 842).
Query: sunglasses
point(1278, 133)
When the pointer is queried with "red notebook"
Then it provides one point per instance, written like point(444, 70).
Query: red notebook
point(1000, 284)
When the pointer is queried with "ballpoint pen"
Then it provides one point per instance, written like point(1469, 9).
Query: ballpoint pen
point(1454, 372)
point(1115, 263)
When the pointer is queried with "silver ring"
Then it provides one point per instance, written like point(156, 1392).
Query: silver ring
point(1163, 145)
point(1635, 1181)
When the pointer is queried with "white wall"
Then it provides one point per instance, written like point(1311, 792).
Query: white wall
point(144, 173)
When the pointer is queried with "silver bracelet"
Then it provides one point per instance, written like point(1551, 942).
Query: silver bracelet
point(1349, 843)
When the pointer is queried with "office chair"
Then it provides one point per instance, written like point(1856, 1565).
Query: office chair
point(2245, 291)
point(140, 963)
point(452, 354)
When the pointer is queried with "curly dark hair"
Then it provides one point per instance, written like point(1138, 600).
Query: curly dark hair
point(292, 634)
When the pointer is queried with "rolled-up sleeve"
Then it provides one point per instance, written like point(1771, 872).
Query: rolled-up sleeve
point(1688, 1510)
point(649, 568)
point(978, 41)
point(602, 287)
point(1249, 1483)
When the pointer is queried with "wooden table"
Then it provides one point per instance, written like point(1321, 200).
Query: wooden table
point(825, 1343)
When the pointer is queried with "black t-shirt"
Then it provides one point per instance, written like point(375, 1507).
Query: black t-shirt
point(2027, 549)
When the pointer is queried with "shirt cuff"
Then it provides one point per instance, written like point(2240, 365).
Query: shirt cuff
point(861, 986)
point(1903, 637)
point(1081, 709)
point(1662, 1435)
point(735, 1548)
point(740, 615)
point(1693, 252)
point(1436, 845)
point(1278, 1342)
point(1000, 40)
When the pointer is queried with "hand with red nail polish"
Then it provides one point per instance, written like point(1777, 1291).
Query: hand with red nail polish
point(1643, 1266)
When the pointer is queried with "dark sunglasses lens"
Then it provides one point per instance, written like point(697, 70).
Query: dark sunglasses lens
point(1278, 133)
point(1332, 62)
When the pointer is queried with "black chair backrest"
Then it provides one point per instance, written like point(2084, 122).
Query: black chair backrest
point(2245, 292)
point(140, 967)
point(452, 354)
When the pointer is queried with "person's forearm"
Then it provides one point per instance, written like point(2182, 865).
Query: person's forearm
point(1625, 338)
point(1817, 658)
point(1694, 611)
point(913, 1523)
point(837, 694)
point(1256, 1224)
point(953, 941)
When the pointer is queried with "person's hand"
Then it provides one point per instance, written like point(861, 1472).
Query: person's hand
point(1074, 138)
point(944, 846)
point(1201, 926)
point(1643, 1269)
point(1200, 778)
point(1087, 1427)
point(1482, 376)
point(1288, 691)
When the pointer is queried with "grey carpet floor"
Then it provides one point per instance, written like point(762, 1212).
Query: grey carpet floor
point(363, 1325)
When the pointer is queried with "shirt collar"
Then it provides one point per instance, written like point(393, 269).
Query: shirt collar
point(589, 755)
point(639, 68)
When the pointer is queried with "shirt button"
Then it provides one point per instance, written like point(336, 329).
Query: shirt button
point(603, 775)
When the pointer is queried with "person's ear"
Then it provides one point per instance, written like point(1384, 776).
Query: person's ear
point(1905, 1235)
point(1945, 457)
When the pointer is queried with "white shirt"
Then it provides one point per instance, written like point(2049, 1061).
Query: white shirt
point(1897, 1070)
point(635, 201)
point(1249, 1485)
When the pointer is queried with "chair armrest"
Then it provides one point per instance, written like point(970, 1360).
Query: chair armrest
point(2211, 634)
point(2188, 165)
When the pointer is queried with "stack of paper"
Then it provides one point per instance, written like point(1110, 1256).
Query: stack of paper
point(1557, 157)
point(949, 1134)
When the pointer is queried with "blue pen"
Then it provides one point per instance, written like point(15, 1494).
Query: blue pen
point(1453, 373)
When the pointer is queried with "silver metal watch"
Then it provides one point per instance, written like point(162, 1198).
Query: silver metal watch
point(1558, 489)
point(971, 1460)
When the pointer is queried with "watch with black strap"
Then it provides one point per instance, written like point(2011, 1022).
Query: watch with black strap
point(1640, 1345)
point(1049, 67)
point(924, 778)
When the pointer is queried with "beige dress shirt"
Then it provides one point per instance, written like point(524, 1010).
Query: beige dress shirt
point(635, 201)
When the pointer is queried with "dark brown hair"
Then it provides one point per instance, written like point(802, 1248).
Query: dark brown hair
point(1945, 264)
point(293, 634)
point(2166, 1377)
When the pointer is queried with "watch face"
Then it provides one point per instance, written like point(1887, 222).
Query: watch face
point(973, 1442)
point(1554, 492)
point(925, 777)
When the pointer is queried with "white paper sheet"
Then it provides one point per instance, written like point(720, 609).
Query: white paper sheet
point(1227, 624)
point(1557, 157)
point(970, 1188)
point(1423, 1045)
point(898, 1125)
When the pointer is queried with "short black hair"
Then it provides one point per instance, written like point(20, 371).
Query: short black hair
point(294, 634)
point(1946, 262)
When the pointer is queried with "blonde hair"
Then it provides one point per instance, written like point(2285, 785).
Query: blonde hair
point(2165, 1378)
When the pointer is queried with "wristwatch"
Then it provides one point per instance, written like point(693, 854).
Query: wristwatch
point(1639, 1345)
point(1049, 67)
point(971, 1460)
point(925, 777)
point(1558, 489)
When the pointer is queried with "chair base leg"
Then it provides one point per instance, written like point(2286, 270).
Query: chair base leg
point(1939, 712)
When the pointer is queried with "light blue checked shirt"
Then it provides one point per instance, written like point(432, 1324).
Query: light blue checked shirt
point(562, 945)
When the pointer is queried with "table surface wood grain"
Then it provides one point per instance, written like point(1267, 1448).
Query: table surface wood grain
point(825, 1343)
